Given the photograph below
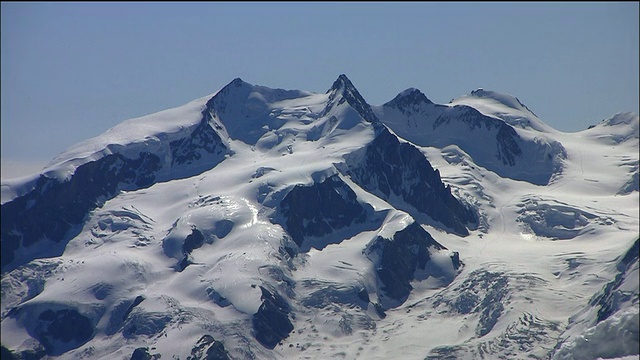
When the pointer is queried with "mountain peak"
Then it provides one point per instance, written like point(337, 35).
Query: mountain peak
point(237, 82)
point(342, 82)
point(268, 223)
point(236, 85)
point(618, 128)
point(504, 99)
point(478, 91)
point(410, 96)
point(622, 118)
point(503, 106)
point(344, 87)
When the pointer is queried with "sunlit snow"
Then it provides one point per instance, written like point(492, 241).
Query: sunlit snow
point(549, 246)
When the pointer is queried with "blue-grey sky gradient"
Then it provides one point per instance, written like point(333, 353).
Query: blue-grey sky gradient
point(70, 71)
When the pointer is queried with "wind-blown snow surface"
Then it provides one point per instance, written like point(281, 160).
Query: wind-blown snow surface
point(258, 227)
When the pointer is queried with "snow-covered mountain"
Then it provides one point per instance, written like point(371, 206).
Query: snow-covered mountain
point(269, 223)
point(496, 130)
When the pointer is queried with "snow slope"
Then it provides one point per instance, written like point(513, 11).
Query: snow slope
point(274, 245)
point(496, 130)
point(503, 106)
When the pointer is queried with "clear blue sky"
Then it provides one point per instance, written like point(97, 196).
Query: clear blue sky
point(70, 71)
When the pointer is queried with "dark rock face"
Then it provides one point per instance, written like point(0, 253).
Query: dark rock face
point(318, 209)
point(400, 258)
point(390, 167)
point(217, 352)
point(193, 241)
point(611, 296)
point(35, 354)
point(271, 323)
point(343, 90)
point(496, 145)
point(630, 257)
point(142, 353)
point(53, 209)
point(506, 138)
point(62, 330)
point(203, 144)
point(135, 303)
point(408, 100)
point(7, 354)
point(217, 298)
point(120, 313)
point(508, 149)
point(330, 294)
point(632, 184)
point(208, 348)
point(467, 115)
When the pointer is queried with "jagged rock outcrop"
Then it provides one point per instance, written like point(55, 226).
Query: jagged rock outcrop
point(208, 348)
point(343, 90)
point(393, 169)
point(493, 142)
point(271, 323)
point(57, 328)
point(314, 211)
point(54, 210)
point(318, 215)
point(608, 300)
point(193, 241)
point(398, 260)
point(142, 353)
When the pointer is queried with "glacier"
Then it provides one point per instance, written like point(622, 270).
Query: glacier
point(260, 223)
